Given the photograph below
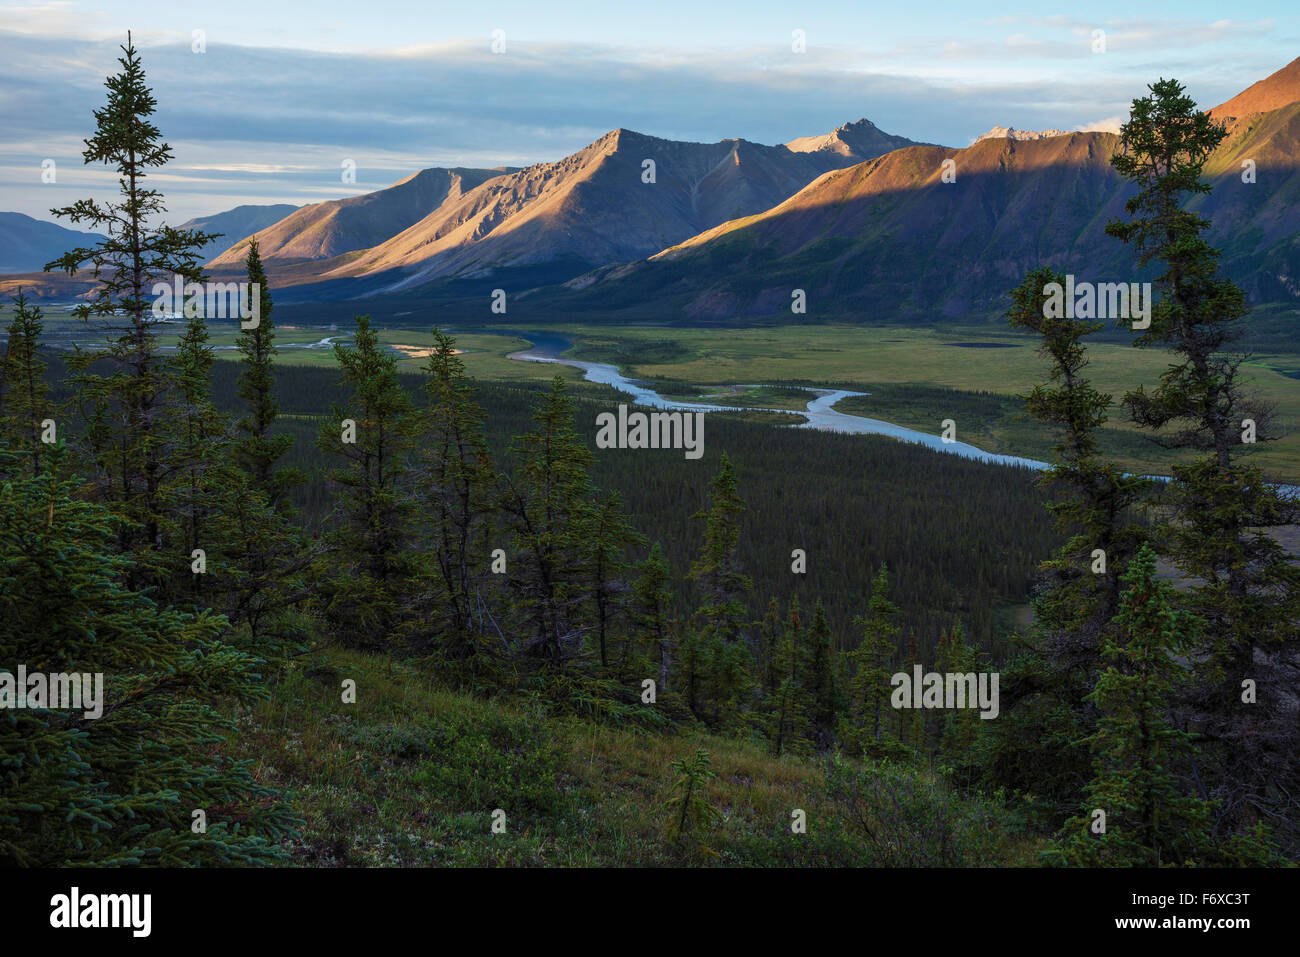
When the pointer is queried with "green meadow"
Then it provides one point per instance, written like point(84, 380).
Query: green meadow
point(916, 377)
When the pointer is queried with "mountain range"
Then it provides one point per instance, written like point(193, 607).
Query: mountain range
point(644, 228)
point(890, 238)
point(625, 196)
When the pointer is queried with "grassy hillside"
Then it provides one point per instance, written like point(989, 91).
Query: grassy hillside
point(411, 773)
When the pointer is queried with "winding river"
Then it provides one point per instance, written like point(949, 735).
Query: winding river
point(821, 413)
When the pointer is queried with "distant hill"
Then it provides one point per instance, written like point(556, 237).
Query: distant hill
point(324, 230)
point(1271, 93)
point(27, 244)
point(235, 224)
point(551, 221)
point(889, 237)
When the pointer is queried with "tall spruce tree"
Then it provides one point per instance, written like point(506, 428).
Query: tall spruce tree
point(789, 716)
point(1038, 746)
point(1095, 507)
point(608, 537)
point(769, 636)
point(693, 669)
point(722, 658)
point(548, 508)
point(251, 555)
point(127, 428)
point(912, 730)
point(258, 450)
point(961, 726)
point(872, 664)
point(651, 611)
point(262, 585)
point(1245, 588)
point(823, 680)
point(197, 495)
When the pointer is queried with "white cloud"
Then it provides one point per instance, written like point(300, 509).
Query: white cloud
point(1110, 124)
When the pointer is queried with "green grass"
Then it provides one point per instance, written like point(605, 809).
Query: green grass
point(767, 397)
point(411, 773)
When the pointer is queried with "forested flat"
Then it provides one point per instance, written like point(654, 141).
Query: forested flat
point(963, 539)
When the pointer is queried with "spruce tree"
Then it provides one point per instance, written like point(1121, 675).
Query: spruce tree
point(823, 681)
point(253, 556)
point(1150, 820)
point(689, 811)
point(719, 622)
point(127, 430)
point(691, 675)
point(23, 391)
point(1245, 588)
point(548, 509)
point(789, 717)
point(961, 726)
point(262, 585)
point(651, 614)
point(123, 788)
point(265, 579)
point(769, 636)
point(257, 450)
point(872, 664)
point(912, 731)
point(1037, 746)
point(454, 483)
point(371, 558)
point(1080, 590)
point(196, 495)
point(608, 536)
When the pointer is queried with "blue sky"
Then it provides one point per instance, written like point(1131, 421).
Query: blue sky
point(286, 91)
